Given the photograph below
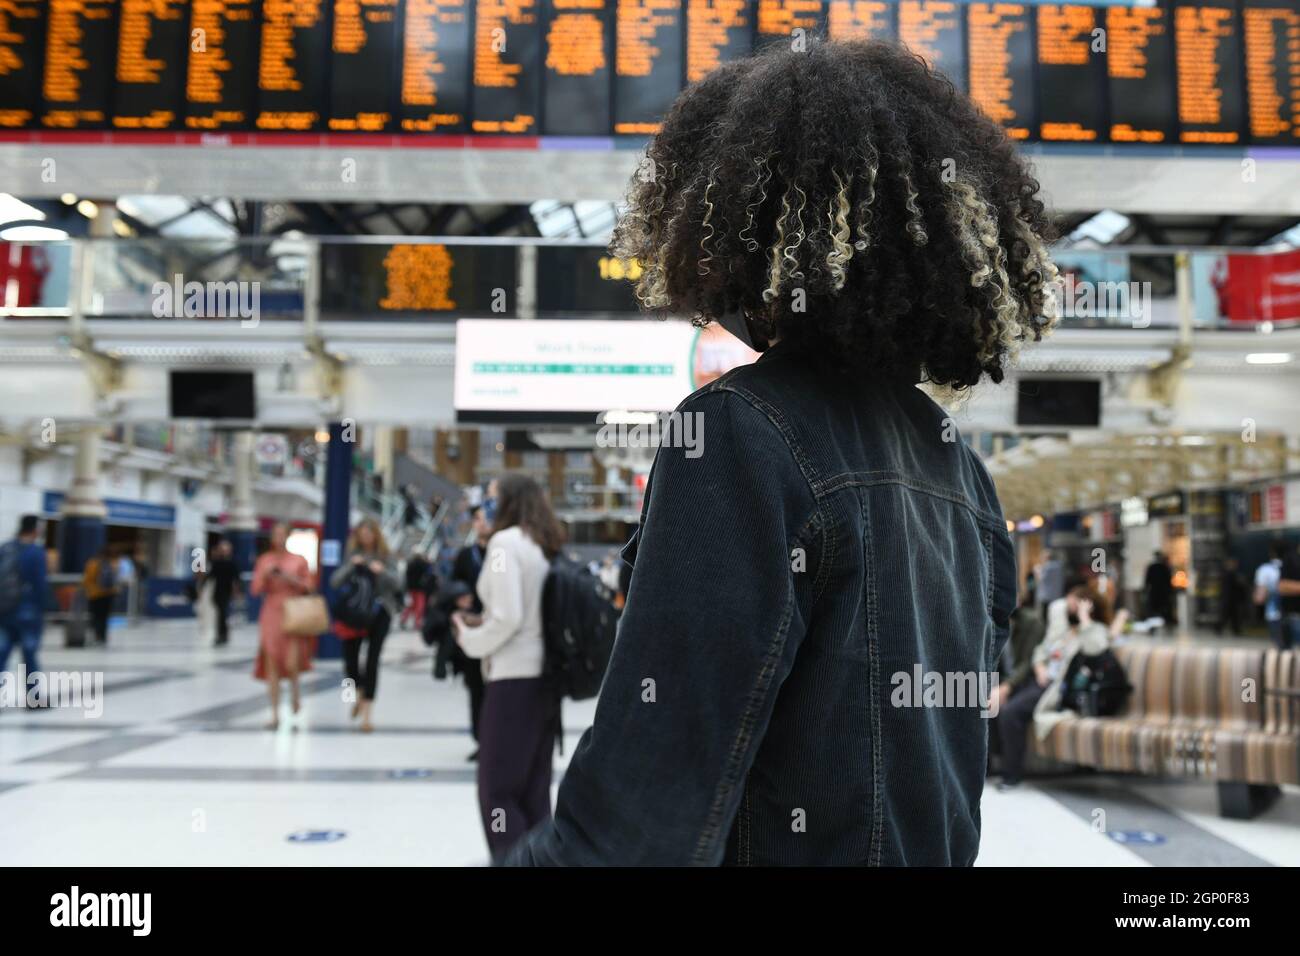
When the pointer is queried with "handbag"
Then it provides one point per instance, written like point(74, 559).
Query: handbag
point(305, 616)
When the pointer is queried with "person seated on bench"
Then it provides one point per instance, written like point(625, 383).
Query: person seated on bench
point(1085, 628)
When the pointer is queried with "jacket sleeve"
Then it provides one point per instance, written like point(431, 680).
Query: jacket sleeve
point(714, 617)
point(501, 588)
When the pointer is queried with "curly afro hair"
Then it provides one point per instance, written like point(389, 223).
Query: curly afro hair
point(847, 200)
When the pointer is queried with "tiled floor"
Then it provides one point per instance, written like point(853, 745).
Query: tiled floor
point(178, 771)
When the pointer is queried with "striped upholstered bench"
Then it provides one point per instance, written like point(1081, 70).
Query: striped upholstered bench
point(1229, 714)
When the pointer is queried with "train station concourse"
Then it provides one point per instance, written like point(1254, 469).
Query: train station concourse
point(650, 434)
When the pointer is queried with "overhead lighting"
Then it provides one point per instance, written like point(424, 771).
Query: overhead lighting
point(122, 229)
point(88, 209)
point(32, 234)
point(13, 209)
point(1268, 358)
point(322, 437)
point(1037, 521)
point(68, 199)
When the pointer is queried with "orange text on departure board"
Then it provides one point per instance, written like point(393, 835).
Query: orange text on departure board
point(921, 23)
point(1129, 33)
point(993, 28)
point(11, 52)
point(353, 21)
point(418, 279)
point(65, 59)
point(783, 17)
point(1199, 33)
point(575, 39)
point(712, 25)
point(277, 68)
point(638, 26)
point(134, 65)
point(423, 69)
point(858, 20)
point(1272, 37)
point(1065, 37)
point(209, 62)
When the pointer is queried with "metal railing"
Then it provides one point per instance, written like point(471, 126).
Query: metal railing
point(309, 279)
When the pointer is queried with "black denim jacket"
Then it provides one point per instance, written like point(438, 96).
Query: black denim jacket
point(834, 541)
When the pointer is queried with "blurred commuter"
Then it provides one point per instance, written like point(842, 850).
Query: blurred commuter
point(1158, 588)
point(1086, 627)
point(418, 585)
point(1050, 580)
point(1267, 577)
point(367, 554)
point(1026, 633)
point(410, 510)
point(277, 576)
point(1288, 589)
point(844, 211)
point(1232, 597)
point(466, 568)
point(22, 596)
point(99, 581)
point(223, 576)
point(520, 714)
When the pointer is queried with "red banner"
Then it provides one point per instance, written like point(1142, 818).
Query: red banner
point(1260, 288)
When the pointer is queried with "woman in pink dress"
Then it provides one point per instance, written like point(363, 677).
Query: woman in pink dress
point(277, 576)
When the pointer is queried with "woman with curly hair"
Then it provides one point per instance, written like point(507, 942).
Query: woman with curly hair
point(819, 599)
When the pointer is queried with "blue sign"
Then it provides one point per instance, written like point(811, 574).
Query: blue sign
point(121, 512)
point(316, 836)
point(168, 597)
point(1137, 837)
point(409, 774)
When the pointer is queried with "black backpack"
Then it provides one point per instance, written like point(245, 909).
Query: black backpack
point(11, 577)
point(356, 603)
point(579, 621)
point(1095, 685)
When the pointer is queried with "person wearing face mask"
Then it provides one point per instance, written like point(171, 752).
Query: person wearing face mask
point(1087, 616)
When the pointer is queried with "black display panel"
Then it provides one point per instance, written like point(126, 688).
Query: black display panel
point(584, 281)
point(221, 73)
point(22, 48)
point(1207, 42)
point(507, 66)
point(793, 22)
point(80, 58)
point(418, 280)
point(716, 31)
point(293, 65)
point(1071, 73)
point(933, 30)
point(1058, 403)
point(433, 94)
point(212, 395)
point(1140, 74)
point(1001, 64)
point(1271, 29)
point(579, 48)
point(862, 20)
point(152, 44)
point(363, 65)
point(649, 41)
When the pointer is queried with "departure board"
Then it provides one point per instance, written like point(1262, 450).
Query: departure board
point(507, 66)
point(1272, 33)
point(152, 42)
point(716, 31)
point(363, 65)
point(1140, 75)
point(221, 76)
point(22, 42)
point(789, 21)
point(418, 280)
point(648, 64)
point(932, 29)
point(1071, 73)
point(293, 64)
point(434, 86)
point(862, 20)
point(579, 47)
point(80, 60)
point(1208, 63)
point(1001, 64)
point(584, 282)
